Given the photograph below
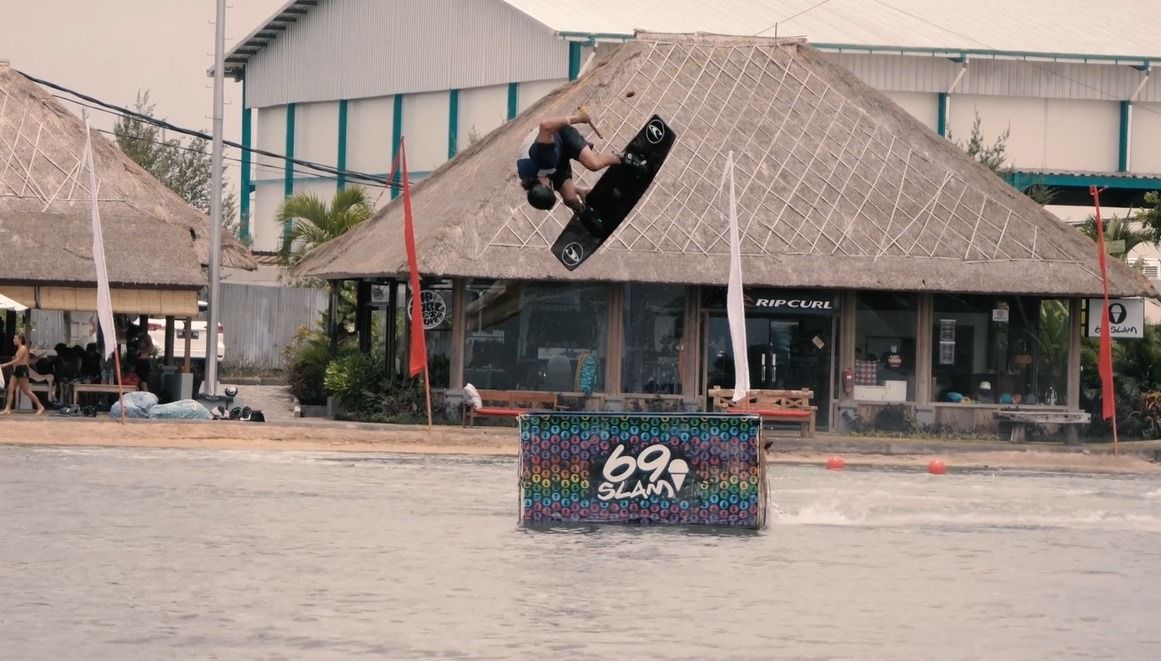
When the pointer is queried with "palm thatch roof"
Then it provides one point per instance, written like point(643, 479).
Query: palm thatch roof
point(40, 150)
point(837, 187)
point(57, 249)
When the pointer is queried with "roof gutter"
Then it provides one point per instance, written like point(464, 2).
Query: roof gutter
point(982, 53)
point(958, 54)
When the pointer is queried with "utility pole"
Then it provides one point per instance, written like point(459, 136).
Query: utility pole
point(211, 380)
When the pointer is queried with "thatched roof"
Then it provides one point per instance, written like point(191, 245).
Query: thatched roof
point(838, 187)
point(41, 144)
point(56, 249)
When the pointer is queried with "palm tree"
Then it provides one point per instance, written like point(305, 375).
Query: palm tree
point(1118, 229)
point(308, 223)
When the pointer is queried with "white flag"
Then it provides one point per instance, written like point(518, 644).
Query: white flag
point(735, 306)
point(104, 299)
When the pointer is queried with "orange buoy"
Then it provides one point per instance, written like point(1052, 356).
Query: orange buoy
point(835, 463)
point(936, 467)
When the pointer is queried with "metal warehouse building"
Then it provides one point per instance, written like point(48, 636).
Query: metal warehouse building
point(339, 81)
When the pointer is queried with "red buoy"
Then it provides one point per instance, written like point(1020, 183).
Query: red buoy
point(936, 467)
point(835, 463)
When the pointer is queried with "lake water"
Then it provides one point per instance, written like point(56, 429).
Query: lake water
point(167, 554)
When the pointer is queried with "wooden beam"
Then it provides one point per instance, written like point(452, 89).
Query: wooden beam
point(693, 356)
point(615, 343)
point(847, 343)
point(1074, 330)
point(458, 333)
point(925, 329)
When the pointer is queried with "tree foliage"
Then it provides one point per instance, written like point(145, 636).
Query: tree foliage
point(184, 167)
point(1117, 229)
point(308, 222)
point(993, 156)
point(1150, 216)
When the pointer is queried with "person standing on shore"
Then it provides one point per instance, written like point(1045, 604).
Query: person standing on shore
point(19, 365)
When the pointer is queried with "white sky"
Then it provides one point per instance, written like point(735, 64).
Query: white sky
point(110, 49)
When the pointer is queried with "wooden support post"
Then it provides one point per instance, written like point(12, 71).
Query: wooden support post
point(693, 353)
point(847, 330)
point(170, 334)
point(1073, 385)
point(392, 330)
point(363, 315)
point(615, 334)
point(332, 317)
point(458, 333)
point(923, 336)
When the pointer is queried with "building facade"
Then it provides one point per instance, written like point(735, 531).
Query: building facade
point(339, 82)
point(882, 266)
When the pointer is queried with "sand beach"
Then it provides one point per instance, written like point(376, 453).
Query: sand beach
point(317, 435)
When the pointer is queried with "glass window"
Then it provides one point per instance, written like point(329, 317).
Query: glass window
point(884, 367)
point(999, 349)
point(436, 303)
point(536, 336)
point(654, 355)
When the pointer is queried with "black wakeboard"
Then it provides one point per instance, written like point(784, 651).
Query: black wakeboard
point(615, 194)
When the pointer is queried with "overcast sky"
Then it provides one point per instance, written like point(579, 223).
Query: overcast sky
point(110, 49)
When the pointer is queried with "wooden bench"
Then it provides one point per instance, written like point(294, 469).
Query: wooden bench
point(1016, 420)
point(771, 405)
point(107, 388)
point(508, 404)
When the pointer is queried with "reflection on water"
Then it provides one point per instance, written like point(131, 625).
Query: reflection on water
point(157, 554)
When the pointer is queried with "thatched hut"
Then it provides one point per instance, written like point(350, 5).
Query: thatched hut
point(155, 243)
point(868, 241)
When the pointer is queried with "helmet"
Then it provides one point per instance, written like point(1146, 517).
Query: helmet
point(231, 391)
point(542, 197)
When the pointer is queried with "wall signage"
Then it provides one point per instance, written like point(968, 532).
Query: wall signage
point(1125, 316)
point(433, 307)
point(778, 301)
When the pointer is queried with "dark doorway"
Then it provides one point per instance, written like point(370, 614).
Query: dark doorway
point(784, 353)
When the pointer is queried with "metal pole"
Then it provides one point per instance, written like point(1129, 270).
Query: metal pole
point(216, 206)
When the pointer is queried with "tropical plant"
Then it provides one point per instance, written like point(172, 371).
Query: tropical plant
point(356, 380)
point(1117, 230)
point(1137, 373)
point(1150, 216)
point(307, 357)
point(308, 222)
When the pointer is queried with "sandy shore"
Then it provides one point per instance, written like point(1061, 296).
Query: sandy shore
point(331, 436)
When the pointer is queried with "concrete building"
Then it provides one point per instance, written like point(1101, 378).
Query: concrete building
point(339, 82)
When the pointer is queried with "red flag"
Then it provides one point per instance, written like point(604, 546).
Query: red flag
point(1105, 365)
point(418, 341)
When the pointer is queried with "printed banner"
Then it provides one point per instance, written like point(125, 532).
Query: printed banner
point(693, 468)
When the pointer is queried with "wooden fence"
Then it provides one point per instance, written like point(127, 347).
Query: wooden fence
point(259, 321)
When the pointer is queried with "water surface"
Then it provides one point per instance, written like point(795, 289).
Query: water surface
point(172, 554)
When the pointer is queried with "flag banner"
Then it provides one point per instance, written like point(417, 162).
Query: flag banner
point(418, 351)
point(1105, 364)
point(735, 300)
point(104, 298)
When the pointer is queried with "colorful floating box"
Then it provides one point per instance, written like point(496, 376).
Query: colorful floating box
point(679, 469)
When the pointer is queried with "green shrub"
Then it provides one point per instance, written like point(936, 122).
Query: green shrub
point(306, 359)
point(356, 380)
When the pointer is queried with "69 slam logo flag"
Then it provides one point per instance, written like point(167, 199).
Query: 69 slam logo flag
point(695, 468)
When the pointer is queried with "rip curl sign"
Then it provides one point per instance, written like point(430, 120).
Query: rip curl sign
point(695, 468)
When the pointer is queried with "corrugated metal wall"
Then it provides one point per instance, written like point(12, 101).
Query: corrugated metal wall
point(350, 49)
point(259, 321)
point(1098, 82)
